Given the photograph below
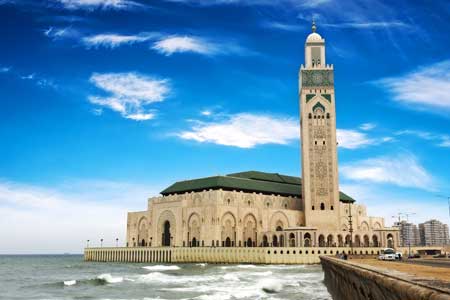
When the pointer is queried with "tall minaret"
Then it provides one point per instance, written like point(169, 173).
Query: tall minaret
point(320, 189)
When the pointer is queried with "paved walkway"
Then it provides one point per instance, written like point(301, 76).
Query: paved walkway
point(434, 273)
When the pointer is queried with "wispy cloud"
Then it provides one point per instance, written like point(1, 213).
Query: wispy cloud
point(244, 130)
point(367, 126)
point(355, 139)
point(101, 205)
point(402, 170)
point(61, 33)
point(247, 130)
point(5, 69)
point(130, 93)
point(282, 26)
point(178, 44)
point(113, 40)
point(367, 25)
point(99, 4)
point(427, 88)
point(293, 3)
point(441, 140)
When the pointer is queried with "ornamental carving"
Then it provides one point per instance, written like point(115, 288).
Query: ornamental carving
point(313, 78)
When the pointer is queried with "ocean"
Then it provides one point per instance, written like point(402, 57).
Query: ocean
point(69, 277)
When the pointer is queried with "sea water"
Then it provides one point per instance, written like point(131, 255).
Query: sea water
point(69, 277)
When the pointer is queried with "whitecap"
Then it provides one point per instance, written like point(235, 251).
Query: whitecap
point(161, 268)
point(231, 277)
point(201, 265)
point(270, 285)
point(70, 282)
point(110, 279)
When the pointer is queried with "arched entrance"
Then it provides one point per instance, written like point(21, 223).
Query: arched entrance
point(166, 234)
point(321, 241)
point(228, 242)
point(329, 240)
point(390, 241)
point(340, 241)
point(291, 240)
point(281, 240)
point(194, 242)
point(307, 240)
point(366, 241)
point(375, 240)
point(265, 241)
point(249, 242)
point(275, 241)
point(348, 240)
point(357, 242)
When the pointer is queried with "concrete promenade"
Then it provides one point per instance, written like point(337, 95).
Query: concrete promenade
point(361, 279)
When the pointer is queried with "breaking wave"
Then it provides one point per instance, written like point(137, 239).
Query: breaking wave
point(70, 282)
point(107, 278)
point(161, 268)
point(270, 285)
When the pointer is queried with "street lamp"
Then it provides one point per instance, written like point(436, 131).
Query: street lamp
point(117, 242)
point(350, 227)
point(101, 242)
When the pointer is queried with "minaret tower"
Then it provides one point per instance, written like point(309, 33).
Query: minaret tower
point(320, 189)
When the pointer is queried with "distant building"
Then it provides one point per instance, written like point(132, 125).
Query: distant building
point(409, 234)
point(433, 233)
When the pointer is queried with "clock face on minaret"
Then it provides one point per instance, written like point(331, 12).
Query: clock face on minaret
point(320, 190)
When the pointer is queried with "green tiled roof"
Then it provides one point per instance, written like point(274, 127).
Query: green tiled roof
point(251, 181)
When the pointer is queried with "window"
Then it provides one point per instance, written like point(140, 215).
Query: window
point(328, 115)
point(310, 115)
point(313, 207)
point(315, 142)
point(332, 208)
point(324, 142)
point(322, 206)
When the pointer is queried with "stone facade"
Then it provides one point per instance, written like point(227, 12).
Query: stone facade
point(223, 212)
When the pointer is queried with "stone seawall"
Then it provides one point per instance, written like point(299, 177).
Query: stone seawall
point(257, 255)
point(346, 280)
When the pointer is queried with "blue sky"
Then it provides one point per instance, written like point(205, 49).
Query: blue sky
point(106, 102)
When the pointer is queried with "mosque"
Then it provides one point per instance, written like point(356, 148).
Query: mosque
point(257, 209)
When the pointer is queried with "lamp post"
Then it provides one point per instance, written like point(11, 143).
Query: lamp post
point(101, 243)
point(117, 242)
point(350, 227)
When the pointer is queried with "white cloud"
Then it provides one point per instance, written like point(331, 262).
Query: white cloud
point(28, 77)
point(293, 3)
point(113, 40)
point(354, 139)
point(178, 44)
point(401, 170)
point(282, 26)
point(367, 25)
point(61, 219)
point(131, 93)
point(367, 126)
point(173, 44)
point(102, 4)
point(61, 33)
point(206, 113)
point(442, 140)
point(245, 131)
point(5, 69)
point(426, 88)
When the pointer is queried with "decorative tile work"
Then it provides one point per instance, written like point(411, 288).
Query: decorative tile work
point(317, 78)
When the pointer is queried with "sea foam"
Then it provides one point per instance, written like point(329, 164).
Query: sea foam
point(70, 282)
point(110, 279)
point(161, 268)
point(270, 285)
